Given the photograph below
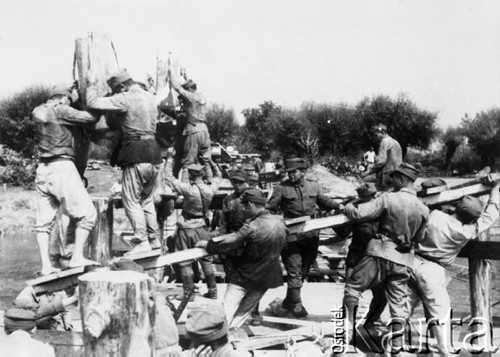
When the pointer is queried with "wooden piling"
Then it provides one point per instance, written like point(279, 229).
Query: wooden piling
point(101, 236)
point(118, 313)
point(479, 280)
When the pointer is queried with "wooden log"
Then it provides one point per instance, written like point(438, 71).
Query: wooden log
point(118, 313)
point(101, 236)
point(455, 194)
point(479, 280)
point(95, 52)
point(56, 281)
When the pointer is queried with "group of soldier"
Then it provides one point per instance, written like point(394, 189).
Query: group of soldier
point(398, 246)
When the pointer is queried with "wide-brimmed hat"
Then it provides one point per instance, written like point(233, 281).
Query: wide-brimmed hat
point(295, 164)
point(406, 170)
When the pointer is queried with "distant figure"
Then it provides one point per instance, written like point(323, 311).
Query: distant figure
point(389, 157)
point(258, 164)
point(58, 182)
point(138, 153)
point(19, 325)
point(369, 157)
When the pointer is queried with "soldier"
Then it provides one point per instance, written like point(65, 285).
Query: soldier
point(298, 196)
point(362, 233)
point(389, 257)
point(389, 157)
point(444, 237)
point(139, 154)
point(58, 182)
point(257, 267)
point(197, 147)
point(192, 225)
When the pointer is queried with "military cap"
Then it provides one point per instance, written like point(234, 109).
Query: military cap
point(239, 175)
point(195, 169)
point(208, 325)
point(118, 78)
point(379, 128)
point(295, 164)
point(469, 209)
point(433, 182)
point(19, 319)
point(366, 190)
point(253, 195)
point(59, 90)
point(189, 84)
point(406, 170)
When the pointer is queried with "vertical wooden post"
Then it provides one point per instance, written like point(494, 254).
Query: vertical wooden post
point(101, 236)
point(479, 279)
point(118, 314)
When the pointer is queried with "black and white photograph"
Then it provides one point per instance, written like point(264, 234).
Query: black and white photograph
point(283, 178)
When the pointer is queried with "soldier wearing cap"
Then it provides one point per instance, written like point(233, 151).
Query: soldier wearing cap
point(298, 196)
point(138, 154)
point(197, 147)
point(257, 266)
point(192, 224)
point(231, 218)
point(362, 233)
point(19, 324)
point(208, 331)
point(445, 235)
point(58, 182)
point(389, 256)
point(388, 158)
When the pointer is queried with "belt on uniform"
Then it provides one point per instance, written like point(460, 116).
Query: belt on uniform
point(48, 160)
point(138, 137)
point(189, 216)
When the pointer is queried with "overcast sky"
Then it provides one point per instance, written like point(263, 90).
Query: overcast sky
point(445, 55)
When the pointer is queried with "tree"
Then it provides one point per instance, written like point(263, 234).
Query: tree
point(222, 125)
point(452, 138)
point(406, 123)
point(483, 132)
point(258, 130)
point(17, 129)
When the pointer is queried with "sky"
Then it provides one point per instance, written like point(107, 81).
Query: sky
point(443, 54)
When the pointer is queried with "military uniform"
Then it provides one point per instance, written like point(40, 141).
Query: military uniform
point(390, 156)
point(197, 146)
point(139, 154)
point(389, 257)
point(297, 200)
point(257, 267)
point(192, 225)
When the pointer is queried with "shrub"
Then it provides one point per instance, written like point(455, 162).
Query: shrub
point(16, 169)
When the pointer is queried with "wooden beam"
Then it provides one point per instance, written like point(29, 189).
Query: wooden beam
point(481, 249)
point(456, 194)
point(172, 258)
point(56, 281)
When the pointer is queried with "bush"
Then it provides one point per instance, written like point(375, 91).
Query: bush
point(17, 170)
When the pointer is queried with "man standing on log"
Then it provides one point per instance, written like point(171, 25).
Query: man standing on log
point(57, 180)
point(139, 155)
point(197, 146)
point(298, 196)
point(256, 268)
point(389, 257)
point(444, 237)
point(192, 225)
point(388, 158)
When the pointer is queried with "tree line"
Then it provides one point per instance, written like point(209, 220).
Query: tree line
point(313, 130)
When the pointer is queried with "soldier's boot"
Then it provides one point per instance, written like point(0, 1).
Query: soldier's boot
point(293, 303)
point(256, 318)
point(188, 286)
point(212, 287)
